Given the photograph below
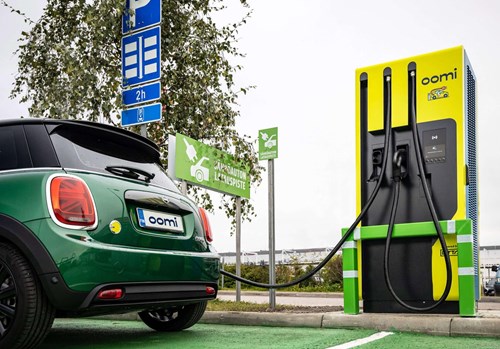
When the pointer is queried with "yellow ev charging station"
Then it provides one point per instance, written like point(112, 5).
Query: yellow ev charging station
point(414, 243)
point(416, 249)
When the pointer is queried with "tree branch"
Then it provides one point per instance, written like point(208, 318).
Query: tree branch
point(12, 9)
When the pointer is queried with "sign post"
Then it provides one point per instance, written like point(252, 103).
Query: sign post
point(268, 150)
point(238, 247)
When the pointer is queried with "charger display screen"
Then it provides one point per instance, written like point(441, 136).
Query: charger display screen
point(435, 145)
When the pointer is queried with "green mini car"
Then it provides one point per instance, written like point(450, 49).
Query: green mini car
point(90, 224)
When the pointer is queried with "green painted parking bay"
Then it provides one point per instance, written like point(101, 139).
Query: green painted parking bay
point(96, 334)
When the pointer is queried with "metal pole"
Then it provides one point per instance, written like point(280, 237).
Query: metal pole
point(144, 131)
point(184, 188)
point(222, 276)
point(272, 261)
point(238, 247)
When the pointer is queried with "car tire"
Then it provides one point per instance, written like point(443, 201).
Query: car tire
point(25, 312)
point(175, 318)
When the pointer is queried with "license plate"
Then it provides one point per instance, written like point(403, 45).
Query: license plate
point(160, 220)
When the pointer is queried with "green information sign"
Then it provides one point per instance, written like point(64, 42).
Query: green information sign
point(268, 144)
point(206, 166)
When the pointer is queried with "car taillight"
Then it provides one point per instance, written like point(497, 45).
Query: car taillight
point(115, 293)
point(206, 225)
point(71, 202)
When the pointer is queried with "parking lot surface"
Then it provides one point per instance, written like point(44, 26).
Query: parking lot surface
point(110, 334)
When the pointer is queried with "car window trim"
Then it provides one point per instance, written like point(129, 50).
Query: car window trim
point(31, 169)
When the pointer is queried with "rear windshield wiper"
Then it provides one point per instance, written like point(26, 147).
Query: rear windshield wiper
point(130, 172)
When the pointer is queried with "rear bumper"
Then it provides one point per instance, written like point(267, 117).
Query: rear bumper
point(149, 277)
point(136, 296)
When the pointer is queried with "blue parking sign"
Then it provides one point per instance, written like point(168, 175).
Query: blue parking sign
point(141, 54)
point(141, 115)
point(141, 94)
point(140, 14)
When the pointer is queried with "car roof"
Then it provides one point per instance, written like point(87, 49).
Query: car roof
point(82, 123)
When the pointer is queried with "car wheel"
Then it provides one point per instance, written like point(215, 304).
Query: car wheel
point(175, 318)
point(25, 312)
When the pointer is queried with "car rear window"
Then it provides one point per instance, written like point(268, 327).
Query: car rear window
point(92, 149)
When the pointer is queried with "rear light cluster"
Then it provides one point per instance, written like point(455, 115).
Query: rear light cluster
point(206, 225)
point(71, 203)
point(115, 293)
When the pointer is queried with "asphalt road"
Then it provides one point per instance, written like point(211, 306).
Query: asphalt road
point(486, 303)
point(111, 334)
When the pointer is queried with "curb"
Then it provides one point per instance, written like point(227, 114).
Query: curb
point(481, 327)
point(262, 319)
point(441, 325)
point(433, 325)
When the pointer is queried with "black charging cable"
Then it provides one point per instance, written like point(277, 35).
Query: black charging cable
point(396, 190)
point(387, 142)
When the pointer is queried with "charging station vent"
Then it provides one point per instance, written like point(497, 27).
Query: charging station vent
point(472, 196)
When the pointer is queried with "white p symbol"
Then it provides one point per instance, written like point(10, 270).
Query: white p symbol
point(134, 5)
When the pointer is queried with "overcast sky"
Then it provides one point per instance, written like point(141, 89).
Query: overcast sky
point(302, 55)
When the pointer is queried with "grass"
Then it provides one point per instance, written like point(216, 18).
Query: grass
point(220, 305)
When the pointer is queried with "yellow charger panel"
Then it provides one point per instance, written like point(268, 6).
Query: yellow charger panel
point(438, 90)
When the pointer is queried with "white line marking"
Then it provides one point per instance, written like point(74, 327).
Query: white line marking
point(140, 57)
point(464, 239)
point(350, 244)
point(451, 227)
point(349, 274)
point(357, 233)
point(358, 342)
point(465, 271)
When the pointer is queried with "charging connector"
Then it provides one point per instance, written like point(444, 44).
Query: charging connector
point(400, 163)
point(398, 160)
point(377, 158)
